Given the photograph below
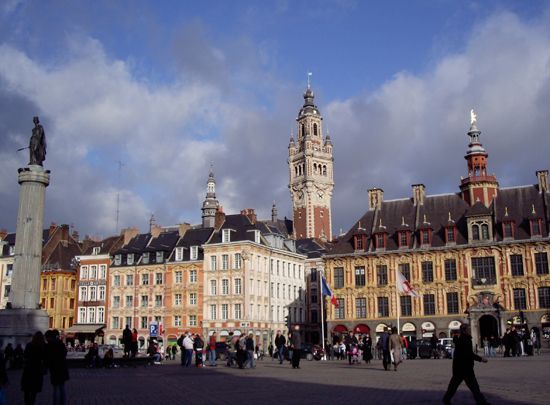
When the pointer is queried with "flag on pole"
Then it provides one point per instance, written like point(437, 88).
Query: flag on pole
point(403, 285)
point(325, 289)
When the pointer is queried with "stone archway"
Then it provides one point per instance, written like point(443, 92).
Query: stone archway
point(488, 327)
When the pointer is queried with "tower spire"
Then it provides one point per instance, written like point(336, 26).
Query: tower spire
point(210, 203)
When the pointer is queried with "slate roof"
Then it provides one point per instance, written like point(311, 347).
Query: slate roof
point(107, 245)
point(193, 237)
point(440, 211)
point(242, 229)
point(10, 241)
point(313, 248)
point(61, 258)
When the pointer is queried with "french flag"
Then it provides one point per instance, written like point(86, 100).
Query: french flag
point(328, 292)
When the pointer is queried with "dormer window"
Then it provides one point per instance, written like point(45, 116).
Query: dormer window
point(403, 239)
point(130, 259)
point(380, 241)
point(508, 229)
point(96, 250)
point(160, 257)
point(179, 254)
point(450, 234)
point(425, 237)
point(480, 230)
point(257, 236)
point(117, 260)
point(226, 235)
point(194, 253)
point(536, 227)
point(145, 258)
point(11, 250)
point(359, 242)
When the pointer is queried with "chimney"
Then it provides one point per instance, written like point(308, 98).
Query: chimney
point(155, 230)
point(220, 217)
point(75, 235)
point(65, 232)
point(3, 234)
point(183, 228)
point(53, 227)
point(542, 175)
point(250, 213)
point(376, 196)
point(419, 192)
point(128, 234)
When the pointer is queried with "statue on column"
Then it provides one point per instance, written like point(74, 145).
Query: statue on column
point(37, 144)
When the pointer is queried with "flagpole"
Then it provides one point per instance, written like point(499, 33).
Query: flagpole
point(397, 299)
point(322, 317)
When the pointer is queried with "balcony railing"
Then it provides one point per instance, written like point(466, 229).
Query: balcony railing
point(484, 281)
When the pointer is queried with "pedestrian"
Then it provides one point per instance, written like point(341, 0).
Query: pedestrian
point(56, 360)
point(280, 342)
point(270, 350)
point(463, 367)
point(34, 368)
point(367, 348)
point(3, 377)
point(212, 350)
point(8, 356)
point(134, 343)
point(188, 348)
point(198, 346)
point(296, 345)
point(249, 345)
point(127, 341)
point(241, 351)
point(385, 347)
point(179, 342)
point(396, 347)
point(174, 351)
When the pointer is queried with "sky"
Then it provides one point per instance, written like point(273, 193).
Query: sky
point(139, 99)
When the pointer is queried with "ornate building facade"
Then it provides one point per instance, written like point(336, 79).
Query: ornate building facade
point(310, 165)
point(479, 255)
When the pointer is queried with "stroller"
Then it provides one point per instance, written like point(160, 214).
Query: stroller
point(354, 353)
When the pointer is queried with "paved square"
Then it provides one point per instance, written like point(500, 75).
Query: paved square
point(504, 381)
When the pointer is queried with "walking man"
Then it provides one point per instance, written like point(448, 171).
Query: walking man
point(212, 349)
point(296, 345)
point(463, 367)
point(188, 347)
point(280, 342)
point(385, 346)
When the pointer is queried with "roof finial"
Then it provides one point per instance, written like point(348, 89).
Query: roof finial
point(450, 219)
point(380, 224)
point(533, 209)
point(505, 211)
point(473, 118)
point(309, 80)
point(402, 221)
point(425, 219)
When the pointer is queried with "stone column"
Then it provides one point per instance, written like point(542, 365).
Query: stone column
point(22, 318)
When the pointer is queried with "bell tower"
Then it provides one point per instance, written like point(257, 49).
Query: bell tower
point(310, 165)
point(210, 204)
point(479, 185)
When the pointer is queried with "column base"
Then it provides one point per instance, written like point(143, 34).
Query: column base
point(17, 326)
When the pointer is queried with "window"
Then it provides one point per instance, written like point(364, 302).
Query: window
point(382, 274)
point(178, 277)
point(541, 263)
point(225, 286)
point(144, 301)
point(484, 270)
point(257, 236)
point(361, 307)
point(193, 276)
point(452, 303)
point(177, 300)
point(116, 280)
point(427, 272)
point(129, 321)
point(238, 286)
point(213, 311)
point(71, 301)
point(158, 278)
point(130, 259)
point(225, 311)
point(115, 323)
point(429, 304)
point(52, 286)
point(314, 316)
point(177, 320)
point(213, 263)
point(93, 272)
point(238, 311)
point(192, 298)
point(516, 265)
point(380, 241)
point(340, 311)
point(118, 260)
point(544, 297)
point(339, 277)
point(425, 237)
point(535, 227)
point(102, 271)
point(129, 301)
point(238, 261)
point(313, 275)
point(360, 276)
point(44, 284)
point(519, 298)
point(507, 229)
point(145, 279)
point(194, 253)
point(405, 269)
point(192, 320)
point(226, 235)
point(101, 293)
point(160, 257)
point(145, 258)
point(116, 301)
point(129, 279)
point(179, 254)
point(358, 242)
point(100, 315)
point(406, 305)
point(83, 294)
point(383, 307)
point(403, 239)
point(9, 269)
point(144, 322)
point(225, 262)
point(84, 272)
point(450, 234)
point(91, 315)
point(213, 287)
point(158, 300)
point(82, 315)
point(450, 270)
point(96, 250)
point(93, 293)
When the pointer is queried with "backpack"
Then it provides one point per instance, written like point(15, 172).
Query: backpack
point(180, 341)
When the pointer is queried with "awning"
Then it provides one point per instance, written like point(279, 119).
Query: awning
point(340, 329)
point(361, 328)
point(90, 328)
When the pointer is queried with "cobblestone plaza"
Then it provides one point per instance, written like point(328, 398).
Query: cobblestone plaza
point(502, 380)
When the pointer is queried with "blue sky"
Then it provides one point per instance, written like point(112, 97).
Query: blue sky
point(171, 87)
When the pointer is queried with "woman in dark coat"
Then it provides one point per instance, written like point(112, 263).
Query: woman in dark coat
point(34, 368)
point(367, 348)
point(56, 359)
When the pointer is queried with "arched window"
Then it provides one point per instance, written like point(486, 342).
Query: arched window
point(324, 170)
point(314, 129)
point(484, 231)
point(296, 170)
point(315, 168)
point(303, 130)
point(475, 232)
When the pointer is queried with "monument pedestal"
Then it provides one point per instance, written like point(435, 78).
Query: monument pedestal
point(18, 325)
